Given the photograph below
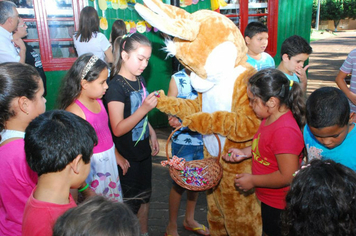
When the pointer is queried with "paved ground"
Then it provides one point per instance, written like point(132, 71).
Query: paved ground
point(328, 55)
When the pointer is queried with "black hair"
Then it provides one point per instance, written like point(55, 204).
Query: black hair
point(55, 138)
point(127, 44)
point(254, 28)
point(118, 29)
point(295, 45)
point(88, 24)
point(71, 83)
point(321, 201)
point(16, 80)
point(327, 106)
point(98, 216)
point(269, 83)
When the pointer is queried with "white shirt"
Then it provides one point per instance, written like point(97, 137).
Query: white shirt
point(97, 45)
point(8, 52)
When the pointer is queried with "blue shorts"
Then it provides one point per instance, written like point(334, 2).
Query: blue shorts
point(188, 152)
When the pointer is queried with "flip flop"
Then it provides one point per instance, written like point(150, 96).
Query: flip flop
point(196, 229)
point(165, 234)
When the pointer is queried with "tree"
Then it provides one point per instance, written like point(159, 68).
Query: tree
point(335, 10)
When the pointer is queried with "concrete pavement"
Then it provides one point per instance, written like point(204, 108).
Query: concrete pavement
point(328, 55)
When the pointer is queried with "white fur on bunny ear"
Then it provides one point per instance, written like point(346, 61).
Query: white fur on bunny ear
point(185, 29)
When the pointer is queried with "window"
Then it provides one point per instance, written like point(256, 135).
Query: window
point(241, 12)
point(51, 24)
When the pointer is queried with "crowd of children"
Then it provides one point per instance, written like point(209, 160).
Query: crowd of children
point(100, 142)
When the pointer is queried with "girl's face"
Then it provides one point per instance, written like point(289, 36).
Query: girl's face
point(136, 60)
point(97, 88)
point(260, 108)
point(37, 106)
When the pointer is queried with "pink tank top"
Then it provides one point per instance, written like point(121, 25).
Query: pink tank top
point(100, 123)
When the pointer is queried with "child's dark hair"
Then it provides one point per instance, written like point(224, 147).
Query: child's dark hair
point(88, 24)
point(16, 80)
point(295, 45)
point(54, 139)
point(98, 216)
point(118, 29)
point(269, 83)
point(71, 83)
point(321, 201)
point(327, 106)
point(254, 28)
point(128, 43)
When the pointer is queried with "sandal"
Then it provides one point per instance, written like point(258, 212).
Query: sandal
point(196, 229)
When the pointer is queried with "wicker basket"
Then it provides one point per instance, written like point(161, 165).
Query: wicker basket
point(212, 169)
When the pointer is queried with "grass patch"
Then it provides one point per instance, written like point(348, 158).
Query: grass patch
point(321, 34)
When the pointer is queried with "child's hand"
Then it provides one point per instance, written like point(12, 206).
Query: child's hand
point(244, 182)
point(154, 141)
point(123, 163)
point(174, 121)
point(234, 155)
point(150, 102)
point(302, 73)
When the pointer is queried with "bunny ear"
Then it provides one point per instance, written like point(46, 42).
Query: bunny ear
point(169, 19)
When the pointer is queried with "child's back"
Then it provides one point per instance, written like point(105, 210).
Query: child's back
point(256, 38)
point(330, 132)
point(58, 146)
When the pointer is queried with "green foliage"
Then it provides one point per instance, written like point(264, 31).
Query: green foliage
point(335, 10)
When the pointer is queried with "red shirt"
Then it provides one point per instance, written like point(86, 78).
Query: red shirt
point(281, 137)
point(39, 217)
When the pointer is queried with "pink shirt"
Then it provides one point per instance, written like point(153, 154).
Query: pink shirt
point(100, 123)
point(17, 181)
point(39, 217)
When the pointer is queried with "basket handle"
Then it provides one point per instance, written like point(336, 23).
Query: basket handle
point(175, 130)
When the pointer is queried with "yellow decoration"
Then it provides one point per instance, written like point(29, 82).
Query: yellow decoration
point(122, 4)
point(103, 5)
point(128, 27)
point(215, 4)
point(141, 27)
point(103, 23)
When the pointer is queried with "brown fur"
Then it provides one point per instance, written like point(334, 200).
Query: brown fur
point(230, 212)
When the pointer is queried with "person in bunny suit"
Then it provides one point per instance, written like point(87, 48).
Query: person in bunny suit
point(212, 47)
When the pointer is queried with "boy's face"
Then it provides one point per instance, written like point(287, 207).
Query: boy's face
point(258, 43)
point(295, 63)
point(331, 136)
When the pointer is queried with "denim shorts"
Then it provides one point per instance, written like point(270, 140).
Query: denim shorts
point(188, 152)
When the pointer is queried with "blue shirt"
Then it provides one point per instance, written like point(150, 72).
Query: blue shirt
point(184, 136)
point(344, 154)
point(265, 62)
point(293, 77)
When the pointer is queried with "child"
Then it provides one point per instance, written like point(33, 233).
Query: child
point(118, 30)
point(81, 93)
point(89, 38)
point(180, 86)
point(330, 133)
point(256, 38)
point(277, 146)
point(58, 146)
point(128, 103)
point(348, 67)
point(98, 216)
point(321, 201)
point(294, 52)
point(21, 100)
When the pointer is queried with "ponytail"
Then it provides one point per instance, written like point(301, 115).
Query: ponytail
point(269, 83)
point(296, 104)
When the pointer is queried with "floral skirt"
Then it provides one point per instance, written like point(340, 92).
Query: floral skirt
point(104, 177)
